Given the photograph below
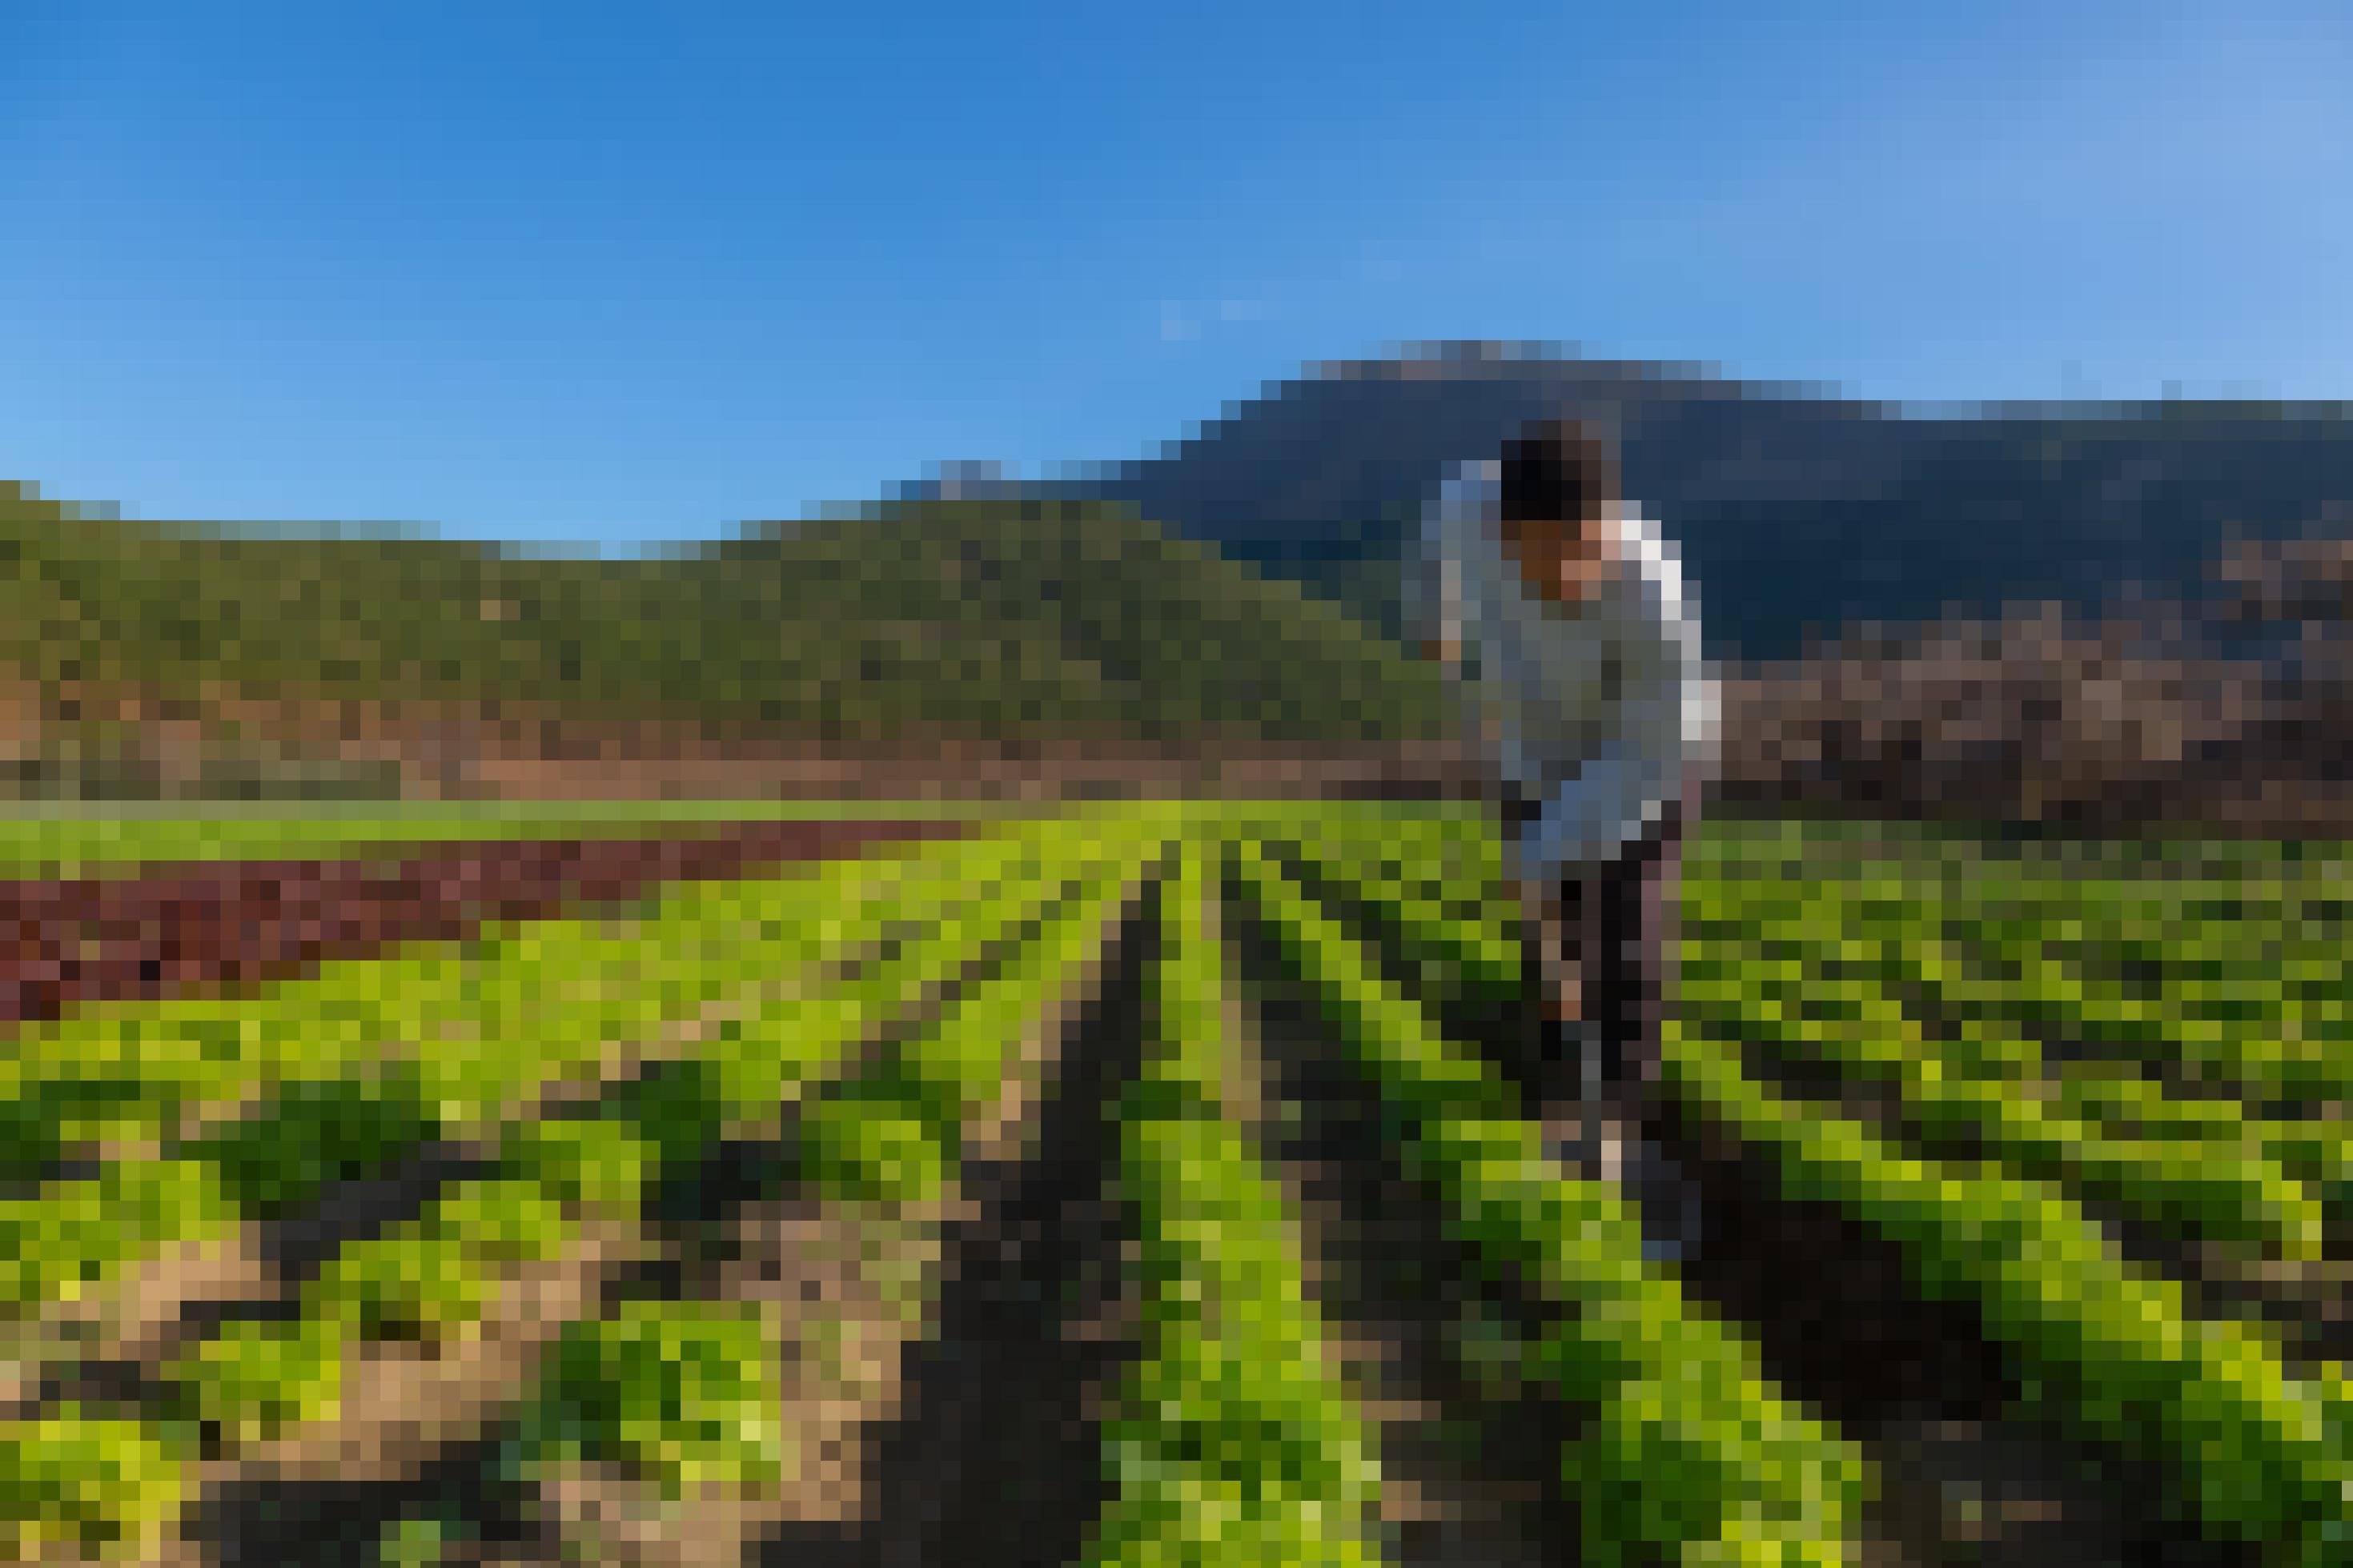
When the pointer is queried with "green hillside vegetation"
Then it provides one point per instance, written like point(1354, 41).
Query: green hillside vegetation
point(996, 619)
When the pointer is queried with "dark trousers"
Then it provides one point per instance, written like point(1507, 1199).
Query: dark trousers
point(1598, 1052)
point(1614, 921)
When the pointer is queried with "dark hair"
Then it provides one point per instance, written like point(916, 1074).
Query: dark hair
point(1555, 472)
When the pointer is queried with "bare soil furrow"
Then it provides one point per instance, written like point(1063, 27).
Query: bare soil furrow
point(859, 1287)
point(184, 1293)
point(996, 1455)
point(417, 1427)
point(1969, 1474)
point(1470, 1454)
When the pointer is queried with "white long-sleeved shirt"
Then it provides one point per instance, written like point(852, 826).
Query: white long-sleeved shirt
point(1602, 711)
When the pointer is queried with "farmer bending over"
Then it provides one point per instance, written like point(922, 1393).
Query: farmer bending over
point(1595, 710)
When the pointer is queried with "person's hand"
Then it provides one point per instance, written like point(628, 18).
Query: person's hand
point(1564, 564)
point(1582, 567)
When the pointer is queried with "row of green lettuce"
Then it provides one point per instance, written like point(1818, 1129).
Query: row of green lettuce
point(2111, 1350)
point(1009, 922)
point(1687, 1451)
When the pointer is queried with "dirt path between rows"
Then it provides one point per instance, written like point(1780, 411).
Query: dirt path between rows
point(995, 1454)
point(1970, 1476)
point(197, 926)
point(1470, 1461)
point(424, 1438)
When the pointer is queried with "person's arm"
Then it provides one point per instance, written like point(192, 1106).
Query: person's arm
point(1433, 579)
point(1444, 638)
point(1669, 693)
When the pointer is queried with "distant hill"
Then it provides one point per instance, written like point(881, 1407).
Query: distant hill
point(1005, 621)
point(1796, 513)
point(1238, 594)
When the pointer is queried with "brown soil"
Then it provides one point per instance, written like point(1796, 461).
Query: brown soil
point(838, 1281)
point(192, 926)
point(857, 1287)
point(403, 1403)
point(994, 1453)
point(1469, 1463)
point(414, 1425)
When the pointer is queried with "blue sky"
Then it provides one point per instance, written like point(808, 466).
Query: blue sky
point(564, 274)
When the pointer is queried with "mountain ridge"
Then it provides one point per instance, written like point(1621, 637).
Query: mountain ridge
point(1796, 513)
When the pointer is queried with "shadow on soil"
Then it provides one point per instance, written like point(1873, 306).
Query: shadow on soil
point(332, 1524)
point(1970, 1474)
point(1472, 1472)
point(998, 1458)
point(1839, 1324)
point(1506, 1029)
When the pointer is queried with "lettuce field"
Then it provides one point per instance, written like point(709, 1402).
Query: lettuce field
point(1159, 1184)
